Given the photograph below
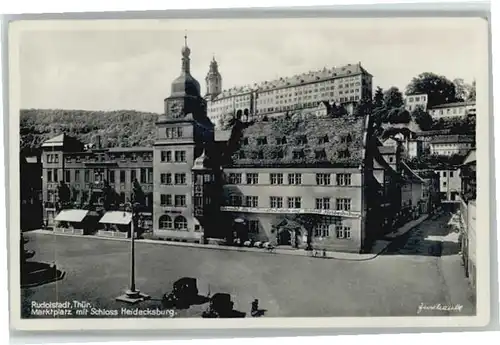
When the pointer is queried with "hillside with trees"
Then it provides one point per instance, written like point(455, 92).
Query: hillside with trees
point(123, 128)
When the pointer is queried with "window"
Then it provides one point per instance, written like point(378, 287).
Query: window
point(67, 176)
point(343, 179)
point(323, 203)
point(391, 159)
point(180, 156)
point(253, 226)
point(276, 201)
point(165, 222)
point(262, 141)
point(345, 139)
point(343, 231)
point(235, 200)
point(323, 139)
point(50, 158)
point(166, 178)
point(297, 154)
point(321, 230)
point(343, 204)
point(56, 178)
point(234, 178)
point(344, 154)
point(166, 156)
point(252, 178)
point(294, 178)
point(180, 223)
point(444, 173)
point(320, 154)
point(133, 176)
point(122, 176)
point(77, 176)
point(49, 175)
point(86, 176)
point(281, 141)
point(302, 140)
point(166, 200)
point(180, 200)
point(252, 201)
point(180, 178)
point(451, 173)
point(245, 141)
point(323, 179)
point(294, 202)
point(444, 184)
point(276, 178)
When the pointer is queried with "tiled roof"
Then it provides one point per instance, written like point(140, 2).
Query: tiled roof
point(235, 91)
point(456, 138)
point(222, 135)
point(313, 76)
point(130, 149)
point(387, 149)
point(453, 105)
point(309, 142)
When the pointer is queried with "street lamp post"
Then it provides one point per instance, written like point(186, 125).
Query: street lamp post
point(132, 295)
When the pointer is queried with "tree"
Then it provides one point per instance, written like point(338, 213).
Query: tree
point(422, 119)
point(338, 110)
point(393, 98)
point(64, 194)
point(439, 89)
point(226, 121)
point(363, 108)
point(138, 195)
point(472, 92)
point(378, 98)
point(308, 221)
point(109, 196)
point(399, 115)
point(461, 89)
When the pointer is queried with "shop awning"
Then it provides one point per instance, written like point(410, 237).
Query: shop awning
point(116, 217)
point(75, 216)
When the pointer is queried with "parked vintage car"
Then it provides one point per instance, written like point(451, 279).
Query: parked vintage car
point(221, 306)
point(183, 295)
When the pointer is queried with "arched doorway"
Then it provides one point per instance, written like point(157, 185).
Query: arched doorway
point(284, 237)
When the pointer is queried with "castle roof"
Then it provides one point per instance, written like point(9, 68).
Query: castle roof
point(318, 142)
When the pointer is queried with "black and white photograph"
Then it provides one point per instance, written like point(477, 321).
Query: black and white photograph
point(254, 169)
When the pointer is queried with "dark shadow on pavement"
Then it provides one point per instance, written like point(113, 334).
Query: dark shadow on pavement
point(39, 273)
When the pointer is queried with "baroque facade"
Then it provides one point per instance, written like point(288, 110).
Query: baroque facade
point(341, 85)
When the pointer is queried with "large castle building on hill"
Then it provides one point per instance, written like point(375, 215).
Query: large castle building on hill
point(342, 85)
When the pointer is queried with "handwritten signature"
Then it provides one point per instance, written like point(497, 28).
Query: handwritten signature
point(440, 307)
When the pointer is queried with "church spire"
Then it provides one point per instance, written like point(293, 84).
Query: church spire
point(185, 56)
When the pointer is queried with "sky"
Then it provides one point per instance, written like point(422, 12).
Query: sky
point(114, 65)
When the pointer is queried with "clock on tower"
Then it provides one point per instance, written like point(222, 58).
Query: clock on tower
point(175, 109)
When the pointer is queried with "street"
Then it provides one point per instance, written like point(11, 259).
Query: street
point(421, 268)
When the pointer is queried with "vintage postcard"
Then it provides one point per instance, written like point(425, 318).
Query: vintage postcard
point(286, 172)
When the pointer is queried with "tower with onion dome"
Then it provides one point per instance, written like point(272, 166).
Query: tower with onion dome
point(182, 133)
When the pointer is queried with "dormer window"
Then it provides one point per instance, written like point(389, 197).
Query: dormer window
point(281, 141)
point(298, 154)
point(302, 140)
point(346, 139)
point(344, 154)
point(323, 139)
point(262, 141)
point(320, 154)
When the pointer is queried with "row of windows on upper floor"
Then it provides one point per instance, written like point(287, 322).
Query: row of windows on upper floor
point(143, 175)
point(448, 111)
point(341, 204)
point(177, 156)
point(422, 98)
point(322, 179)
point(319, 154)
